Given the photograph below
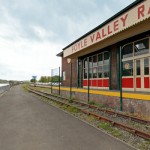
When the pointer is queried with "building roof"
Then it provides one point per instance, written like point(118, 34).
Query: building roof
point(60, 54)
point(107, 21)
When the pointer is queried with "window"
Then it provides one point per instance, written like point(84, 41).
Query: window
point(146, 66)
point(106, 64)
point(98, 66)
point(127, 68)
point(141, 47)
point(90, 62)
point(90, 73)
point(100, 59)
point(100, 71)
point(106, 70)
point(127, 51)
point(138, 67)
point(95, 72)
point(85, 63)
point(85, 73)
point(95, 61)
point(106, 57)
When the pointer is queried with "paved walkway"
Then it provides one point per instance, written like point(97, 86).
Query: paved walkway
point(29, 124)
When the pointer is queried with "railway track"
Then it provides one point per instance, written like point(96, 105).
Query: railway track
point(103, 114)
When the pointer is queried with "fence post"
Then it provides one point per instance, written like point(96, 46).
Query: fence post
point(70, 80)
point(88, 82)
point(51, 80)
point(120, 63)
point(59, 80)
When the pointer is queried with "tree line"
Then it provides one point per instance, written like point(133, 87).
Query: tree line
point(46, 79)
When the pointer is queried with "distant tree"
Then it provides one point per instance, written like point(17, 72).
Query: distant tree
point(49, 79)
point(45, 79)
point(55, 78)
point(33, 80)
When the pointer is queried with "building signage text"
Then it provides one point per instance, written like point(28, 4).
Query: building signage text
point(135, 15)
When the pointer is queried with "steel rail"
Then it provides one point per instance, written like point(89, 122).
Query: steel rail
point(114, 123)
point(111, 112)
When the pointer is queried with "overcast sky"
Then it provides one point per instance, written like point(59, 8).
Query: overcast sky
point(32, 32)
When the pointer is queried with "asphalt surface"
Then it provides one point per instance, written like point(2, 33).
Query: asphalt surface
point(26, 123)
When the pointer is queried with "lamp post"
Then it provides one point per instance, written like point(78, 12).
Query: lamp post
point(69, 62)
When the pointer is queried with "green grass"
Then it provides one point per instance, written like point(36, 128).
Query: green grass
point(145, 145)
point(105, 126)
point(24, 87)
point(112, 130)
point(72, 109)
point(91, 102)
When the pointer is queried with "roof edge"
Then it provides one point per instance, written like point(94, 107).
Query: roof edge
point(60, 54)
point(107, 21)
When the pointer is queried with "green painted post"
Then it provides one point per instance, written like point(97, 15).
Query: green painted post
point(70, 81)
point(59, 80)
point(110, 70)
point(88, 82)
point(51, 79)
point(120, 86)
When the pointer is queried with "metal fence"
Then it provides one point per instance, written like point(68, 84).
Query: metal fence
point(55, 78)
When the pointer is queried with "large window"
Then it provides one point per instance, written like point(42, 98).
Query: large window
point(141, 47)
point(127, 51)
point(95, 66)
point(137, 48)
point(131, 57)
point(85, 68)
point(98, 66)
point(146, 66)
point(106, 64)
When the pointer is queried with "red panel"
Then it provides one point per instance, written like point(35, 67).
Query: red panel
point(127, 82)
point(85, 82)
point(94, 82)
point(99, 83)
point(146, 82)
point(90, 82)
point(106, 83)
point(138, 82)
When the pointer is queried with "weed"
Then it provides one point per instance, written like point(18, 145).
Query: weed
point(24, 87)
point(116, 132)
point(105, 125)
point(101, 105)
point(73, 109)
point(145, 145)
point(91, 102)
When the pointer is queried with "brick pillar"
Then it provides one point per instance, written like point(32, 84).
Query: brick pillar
point(66, 69)
point(113, 62)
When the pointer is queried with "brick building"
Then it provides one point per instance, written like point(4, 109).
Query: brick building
point(96, 56)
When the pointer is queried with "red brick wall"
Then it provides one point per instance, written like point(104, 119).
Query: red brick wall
point(113, 66)
point(66, 68)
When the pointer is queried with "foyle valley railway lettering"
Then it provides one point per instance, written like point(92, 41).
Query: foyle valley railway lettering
point(109, 29)
point(101, 34)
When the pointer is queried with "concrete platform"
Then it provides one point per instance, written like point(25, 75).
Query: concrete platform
point(29, 124)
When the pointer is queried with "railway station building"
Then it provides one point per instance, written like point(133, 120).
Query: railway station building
point(115, 53)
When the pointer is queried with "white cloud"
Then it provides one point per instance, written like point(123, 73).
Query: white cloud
point(32, 32)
